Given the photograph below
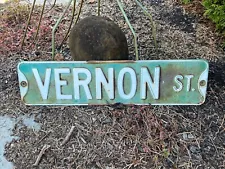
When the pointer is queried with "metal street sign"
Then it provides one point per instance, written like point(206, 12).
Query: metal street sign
point(156, 82)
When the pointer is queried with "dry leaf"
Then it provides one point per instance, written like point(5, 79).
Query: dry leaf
point(59, 57)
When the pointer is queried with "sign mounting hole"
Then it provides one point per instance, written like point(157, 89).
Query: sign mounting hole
point(202, 83)
point(23, 84)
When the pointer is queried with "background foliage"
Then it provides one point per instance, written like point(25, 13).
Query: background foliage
point(215, 10)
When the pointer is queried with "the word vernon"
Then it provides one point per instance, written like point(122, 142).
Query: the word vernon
point(104, 80)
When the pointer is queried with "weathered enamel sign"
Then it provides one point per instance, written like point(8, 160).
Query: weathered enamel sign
point(155, 82)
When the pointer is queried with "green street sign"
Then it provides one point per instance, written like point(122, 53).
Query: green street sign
point(155, 82)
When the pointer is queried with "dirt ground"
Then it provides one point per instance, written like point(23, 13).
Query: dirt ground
point(120, 136)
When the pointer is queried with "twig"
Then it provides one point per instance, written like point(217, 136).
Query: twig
point(131, 28)
point(42, 152)
point(68, 135)
point(79, 12)
point(28, 22)
point(221, 125)
point(40, 19)
point(55, 27)
point(99, 7)
point(71, 22)
point(44, 136)
point(81, 127)
point(53, 5)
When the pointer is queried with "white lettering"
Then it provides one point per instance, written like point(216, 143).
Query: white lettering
point(178, 79)
point(120, 84)
point(146, 80)
point(189, 77)
point(78, 82)
point(59, 83)
point(101, 81)
point(43, 87)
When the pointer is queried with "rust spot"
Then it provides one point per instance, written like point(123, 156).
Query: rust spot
point(202, 99)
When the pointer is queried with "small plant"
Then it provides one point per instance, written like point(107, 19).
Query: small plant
point(186, 1)
point(215, 10)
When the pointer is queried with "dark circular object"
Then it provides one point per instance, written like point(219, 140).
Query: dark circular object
point(97, 38)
